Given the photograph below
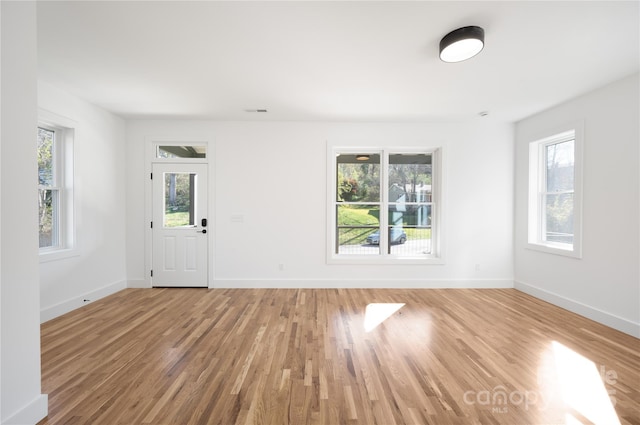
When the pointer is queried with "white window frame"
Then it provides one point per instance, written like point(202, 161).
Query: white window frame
point(536, 239)
point(436, 256)
point(63, 163)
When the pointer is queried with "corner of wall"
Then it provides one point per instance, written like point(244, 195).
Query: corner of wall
point(31, 413)
point(71, 304)
point(137, 283)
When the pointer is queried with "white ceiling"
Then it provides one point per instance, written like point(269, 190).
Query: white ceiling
point(332, 61)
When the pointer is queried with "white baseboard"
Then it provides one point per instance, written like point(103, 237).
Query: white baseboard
point(363, 283)
point(595, 314)
point(59, 309)
point(31, 414)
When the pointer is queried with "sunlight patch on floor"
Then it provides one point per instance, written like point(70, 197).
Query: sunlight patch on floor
point(582, 388)
point(377, 313)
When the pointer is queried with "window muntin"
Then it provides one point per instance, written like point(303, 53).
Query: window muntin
point(384, 205)
point(554, 193)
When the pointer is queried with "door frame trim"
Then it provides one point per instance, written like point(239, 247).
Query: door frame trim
point(151, 142)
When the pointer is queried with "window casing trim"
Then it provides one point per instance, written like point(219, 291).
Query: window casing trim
point(537, 179)
point(437, 252)
point(64, 168)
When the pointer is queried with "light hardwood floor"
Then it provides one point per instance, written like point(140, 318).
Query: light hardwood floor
point(294, 356)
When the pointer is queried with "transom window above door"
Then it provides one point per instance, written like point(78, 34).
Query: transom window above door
point(181, 151)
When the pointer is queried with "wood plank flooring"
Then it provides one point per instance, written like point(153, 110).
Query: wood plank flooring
point(303, 356)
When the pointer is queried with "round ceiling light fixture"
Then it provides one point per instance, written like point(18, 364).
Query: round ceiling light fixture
point(461, 44)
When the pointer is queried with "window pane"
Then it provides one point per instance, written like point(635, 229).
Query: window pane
point(559, 218)
point(182, 152)
point(358, 179)
point(45, 157)
point(179, 199)
point(409, 229)
point(410, 178)
point(560, 164)
point(357, 231)
point(48, 217)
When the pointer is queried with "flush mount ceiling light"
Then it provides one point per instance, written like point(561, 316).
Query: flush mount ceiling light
point(362, 157)
point(461, 44)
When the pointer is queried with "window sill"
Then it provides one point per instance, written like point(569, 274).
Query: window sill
point(58, 254)
point(558, 249)
point(395, 261)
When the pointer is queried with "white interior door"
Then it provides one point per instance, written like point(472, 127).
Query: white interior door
point(179, 228)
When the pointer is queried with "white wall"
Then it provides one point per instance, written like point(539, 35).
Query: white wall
point(98, 267)
point(21, 400)
point(275, 175)
point(605, 284)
